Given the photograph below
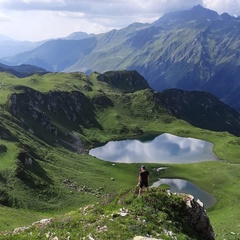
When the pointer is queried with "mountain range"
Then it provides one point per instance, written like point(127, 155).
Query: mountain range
point(23, 70)
point(195, 49)
point(11, 47)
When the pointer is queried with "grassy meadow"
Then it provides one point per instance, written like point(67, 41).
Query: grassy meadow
point(59, 181)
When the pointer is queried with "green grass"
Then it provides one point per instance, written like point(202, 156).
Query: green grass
point(8, 158)
point(103, 220)
point(12, 218)
point(40, 190)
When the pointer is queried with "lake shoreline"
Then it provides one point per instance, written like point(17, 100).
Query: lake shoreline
point(163, 149)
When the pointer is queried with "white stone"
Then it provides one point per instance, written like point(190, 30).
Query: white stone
point(200, 203)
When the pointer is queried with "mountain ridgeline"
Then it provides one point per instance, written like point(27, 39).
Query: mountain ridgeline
point(195, 49)
point(44, 112)
point(23, 70)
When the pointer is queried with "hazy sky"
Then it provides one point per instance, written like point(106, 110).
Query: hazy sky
point(42, 19)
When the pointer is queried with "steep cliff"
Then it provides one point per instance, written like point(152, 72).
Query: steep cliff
point(200, 109)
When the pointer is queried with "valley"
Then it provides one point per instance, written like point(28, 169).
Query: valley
point(60, 99)
point(49, 122)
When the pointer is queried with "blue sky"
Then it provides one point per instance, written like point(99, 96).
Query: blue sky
point(43, 19)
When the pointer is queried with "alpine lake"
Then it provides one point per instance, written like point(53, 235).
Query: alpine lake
point(165, 148)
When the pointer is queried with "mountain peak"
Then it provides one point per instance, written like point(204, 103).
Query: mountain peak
point(198, 7)
point(196, 13)
point(78, 36)
point(200, 11)
point(226, 16)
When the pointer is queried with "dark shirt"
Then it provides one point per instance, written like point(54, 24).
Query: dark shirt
point(144, 176)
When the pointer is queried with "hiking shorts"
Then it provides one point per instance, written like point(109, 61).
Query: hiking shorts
point(143, 184)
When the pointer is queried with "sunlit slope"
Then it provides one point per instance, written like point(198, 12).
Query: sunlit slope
point(48, 123)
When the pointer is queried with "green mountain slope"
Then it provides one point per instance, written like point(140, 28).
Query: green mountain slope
point(49, 122)
point(45, 117)
point(196, 49)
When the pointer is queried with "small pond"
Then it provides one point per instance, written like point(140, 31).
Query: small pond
point(183, 186)
point(165, 148)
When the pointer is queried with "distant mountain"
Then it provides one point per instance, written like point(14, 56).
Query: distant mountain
point(10, 47)
point(55, 55)
point(197, 13)
point(195, 49)
point(78, 36)
point(22, 70)
point(5, 38)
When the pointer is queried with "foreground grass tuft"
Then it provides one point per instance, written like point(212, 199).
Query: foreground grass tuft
point(123, 216)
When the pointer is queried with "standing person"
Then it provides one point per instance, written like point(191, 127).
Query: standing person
point(143, 179)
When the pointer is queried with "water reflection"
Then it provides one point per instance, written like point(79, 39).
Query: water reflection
point(183, 186)
point(166, 148)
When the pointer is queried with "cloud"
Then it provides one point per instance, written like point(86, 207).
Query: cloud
point(116, 8)
point(230, 6)
point(101, 8)
point(4, 17)
point(32, 4)
point(38, 19)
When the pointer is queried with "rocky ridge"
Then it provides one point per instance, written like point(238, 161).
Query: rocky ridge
point(39, 113)
point(201, 109)
point(193, 213)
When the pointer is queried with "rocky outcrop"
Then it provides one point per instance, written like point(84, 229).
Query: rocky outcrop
point(143, 224)
point(38, 112)
point(125, 81)
point(5, 133)
point(3, 148)
point(25, 158)
point(39, 224)
point(198, 219)
point(72, 106)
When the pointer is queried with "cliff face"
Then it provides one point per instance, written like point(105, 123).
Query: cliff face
point(125, 81)
point(201, 109)
point(55, 114)
point(198, 219)
point(63, 114)
point(60, 106)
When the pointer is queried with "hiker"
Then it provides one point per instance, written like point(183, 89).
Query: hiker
point(143, 179)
